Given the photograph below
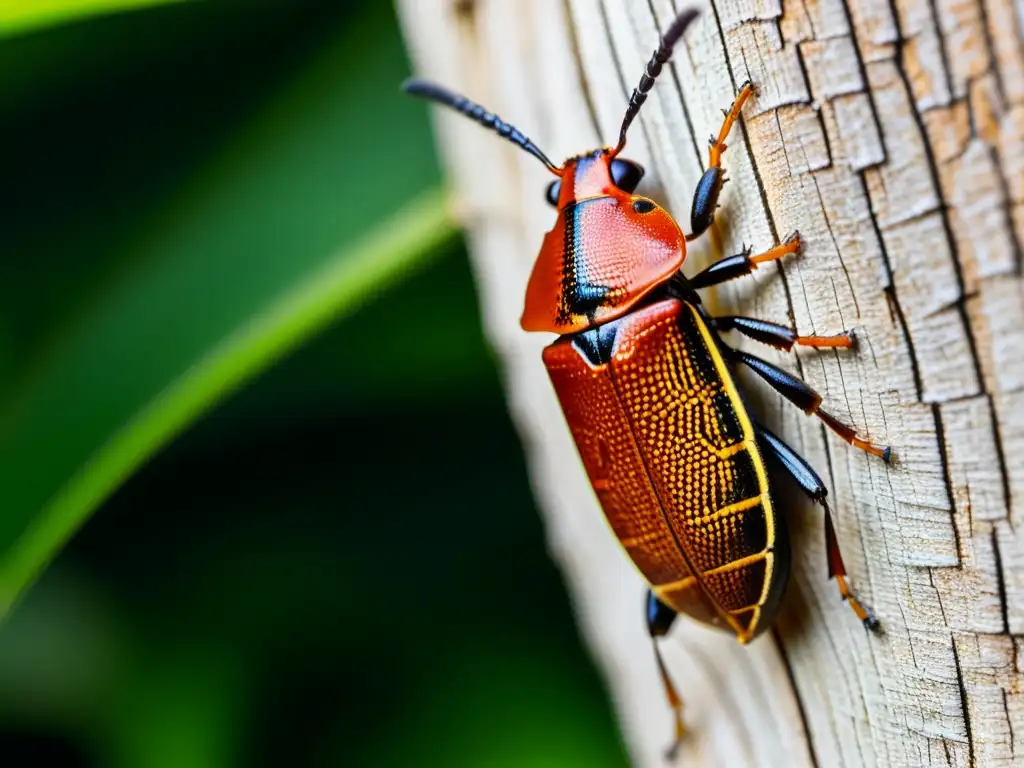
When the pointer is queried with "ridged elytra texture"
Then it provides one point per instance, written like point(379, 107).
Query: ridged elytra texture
point(672, 456)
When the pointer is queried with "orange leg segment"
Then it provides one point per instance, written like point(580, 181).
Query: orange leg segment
point(843, 341)
point(837, 570)
point(741, 264)
point(674, 701)
point(804, 397)
point(718, 146)
point(705, 198)
point(849, 434)
point(659, 621)
point(779, 336)
point(791, 244)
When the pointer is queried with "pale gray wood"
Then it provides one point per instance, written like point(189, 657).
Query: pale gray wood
point(891, 134)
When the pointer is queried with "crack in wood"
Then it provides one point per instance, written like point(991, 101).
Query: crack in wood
point(679, 90)
point(940, 434)
point(627, 89)
point(574, 43)
point(1000, 583)
point(963, 701)
point(780, 646)
point(1009, 721)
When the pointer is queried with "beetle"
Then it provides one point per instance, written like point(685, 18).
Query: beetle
point(646, 383)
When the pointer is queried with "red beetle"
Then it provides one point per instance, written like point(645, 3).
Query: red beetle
point(647, 386)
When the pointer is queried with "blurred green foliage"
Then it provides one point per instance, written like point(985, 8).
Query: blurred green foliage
point(341, 563)
point(19, 17)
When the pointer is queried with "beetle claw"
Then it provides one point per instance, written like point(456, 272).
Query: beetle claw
point(672, 752)
point(754, 89)
point(794, 236)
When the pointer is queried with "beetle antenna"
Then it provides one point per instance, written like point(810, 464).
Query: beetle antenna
point(652, 70)
point(434, 92)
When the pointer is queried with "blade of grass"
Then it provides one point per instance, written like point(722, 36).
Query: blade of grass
point(404, 242)
point(18, 17)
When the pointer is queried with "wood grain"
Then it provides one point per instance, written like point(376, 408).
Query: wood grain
point(890, 133)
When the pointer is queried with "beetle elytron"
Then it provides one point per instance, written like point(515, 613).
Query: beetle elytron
point(646, 385)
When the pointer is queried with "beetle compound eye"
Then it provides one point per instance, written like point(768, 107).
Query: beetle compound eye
point(554, 190)
point(643, 206)
point(626, 174)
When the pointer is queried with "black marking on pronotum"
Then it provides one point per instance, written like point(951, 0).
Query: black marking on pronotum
point(579, 297)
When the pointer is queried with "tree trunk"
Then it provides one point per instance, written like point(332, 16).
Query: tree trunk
point(890, 133)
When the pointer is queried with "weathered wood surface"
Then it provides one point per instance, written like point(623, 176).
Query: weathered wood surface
point(891, 134)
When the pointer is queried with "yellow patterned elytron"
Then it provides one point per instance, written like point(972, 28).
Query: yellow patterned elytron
point(672, 454)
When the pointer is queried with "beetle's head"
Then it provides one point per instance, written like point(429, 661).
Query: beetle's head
point(609, 247)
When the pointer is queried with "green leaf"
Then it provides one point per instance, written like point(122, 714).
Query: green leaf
point(18, 16)
point(160, 254)
point(298, 312)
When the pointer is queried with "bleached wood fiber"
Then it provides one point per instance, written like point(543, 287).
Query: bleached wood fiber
point(890, 133)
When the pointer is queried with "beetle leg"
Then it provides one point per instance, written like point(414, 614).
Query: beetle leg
point(718, 146)
point(744, 263)
point(808, 480)
point(800, 394)
point(659, 621)
point(778, 336)
point(705, 199)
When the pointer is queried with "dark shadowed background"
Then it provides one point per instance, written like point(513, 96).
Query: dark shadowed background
point(329, 555)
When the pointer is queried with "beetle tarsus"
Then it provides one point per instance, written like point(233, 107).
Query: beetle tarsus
point(840, 341)
point(836, 559)
point(742, 263)
point(673, 750)
point(659, 621)
point(705, 198)
point(802, 395)
point(792, 245)
point(776, 335)
point(718, 145)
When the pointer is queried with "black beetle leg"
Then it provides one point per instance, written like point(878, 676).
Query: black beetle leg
point(806, 399)
point(798, 468)
point(743, 263)
point(778, 336)
point(705, 199)
point(659, 621)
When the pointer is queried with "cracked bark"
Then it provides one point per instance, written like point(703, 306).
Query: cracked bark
point(891, 134)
